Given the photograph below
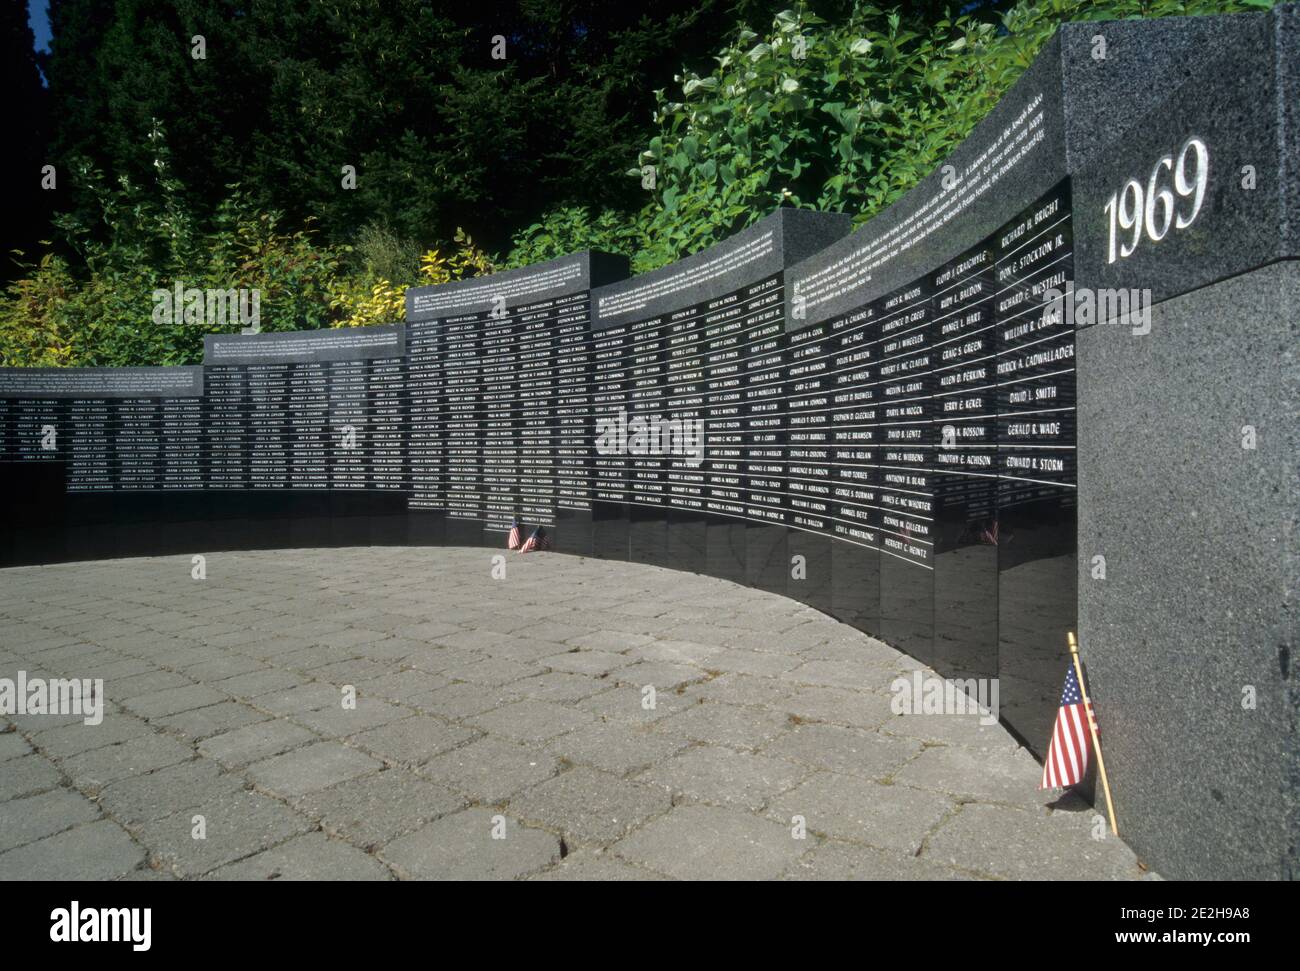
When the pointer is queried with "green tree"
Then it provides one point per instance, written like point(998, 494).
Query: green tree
point(440, 134)
point(28, 205)
point(844, 115)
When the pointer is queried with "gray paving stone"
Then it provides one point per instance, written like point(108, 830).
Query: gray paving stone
point(722, 724)
point(71, 654)
point(237, 823)
point(1004, 776)
point(490, 770)
point(474, 640)
point(392, 649)
point(664, 676)
point(313, 657)
point(12, 746)
point(352, 671)
point(587, 865)
point(375, 809)
point(273, 647)
point(842, 706)
point(709, 773)
point(762, 620)
point(843, 643)
point(435, 658)
point(143, 685)
point(708, 843)
point(741, 689)
point(849, 808)
point(235, 639)
point(337, 721)
point(168, 702)
point(293, 701)
point(589, 662)
point(166, 791)
point(350, 637)
point(252, 743)
point(677, 652)
point(616, 747)
point(847, 750)
point(99, 767)
point(761, 663)
point(834, 860)
point(631, 705)
point(252, 684)
point(492, 671)
point(559, 686)
point(610, 642)
point(589, 806)
point(790, 640)
point(35, 817)
point(527, 650)
point(312, 767)
point(169, 654)
point(461, 847)
point(35, 724)
point(531, 720)
point(839, 674)
point(201, 723)
point(1018, 845)
point(223, 666)
point(94, 851)
point(402, 686)
point(428, 630)
point(123, 668)
point(963, 730)
point(412, 741)
point(311, 630)
point(311, 857)
point(464, 700)
point(79, 737)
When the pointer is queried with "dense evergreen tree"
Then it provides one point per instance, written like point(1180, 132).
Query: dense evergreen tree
point(27, 214)
point(440, 132)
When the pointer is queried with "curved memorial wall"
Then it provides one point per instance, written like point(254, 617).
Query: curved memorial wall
point(1007, 407)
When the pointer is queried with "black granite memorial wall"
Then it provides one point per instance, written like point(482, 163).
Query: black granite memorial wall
point(881, 423)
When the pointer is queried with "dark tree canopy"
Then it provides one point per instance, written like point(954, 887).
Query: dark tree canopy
point(441, 134)
point(27, 209)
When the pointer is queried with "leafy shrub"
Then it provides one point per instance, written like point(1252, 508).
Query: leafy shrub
point(369, 298)
point(845, 117)
point(33, 330)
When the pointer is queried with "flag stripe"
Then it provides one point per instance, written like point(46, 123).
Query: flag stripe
point(1068, 749)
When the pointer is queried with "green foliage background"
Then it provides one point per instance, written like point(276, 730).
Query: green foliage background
point(225, 172)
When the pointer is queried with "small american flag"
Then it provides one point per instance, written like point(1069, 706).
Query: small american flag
point(515, 537)
point(1067, 752)
point(537, 541)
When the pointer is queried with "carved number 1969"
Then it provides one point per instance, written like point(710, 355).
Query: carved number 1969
point(1133, 210)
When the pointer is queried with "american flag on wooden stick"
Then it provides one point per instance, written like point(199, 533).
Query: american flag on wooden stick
point(515, 538)
point(1067, 751)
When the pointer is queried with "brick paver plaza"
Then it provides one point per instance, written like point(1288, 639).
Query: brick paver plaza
point(576, 719)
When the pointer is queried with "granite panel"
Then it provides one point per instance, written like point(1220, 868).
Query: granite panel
point(1189, 640)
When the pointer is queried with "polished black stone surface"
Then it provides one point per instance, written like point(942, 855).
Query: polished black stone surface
point(812, 558)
